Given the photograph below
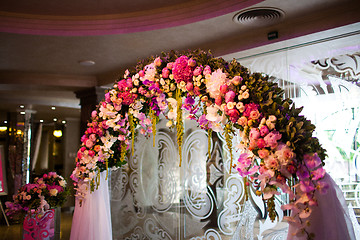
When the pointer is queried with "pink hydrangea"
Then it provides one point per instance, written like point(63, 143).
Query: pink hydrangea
point(181, 70)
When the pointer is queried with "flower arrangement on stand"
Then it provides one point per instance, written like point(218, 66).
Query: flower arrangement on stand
point(279, 151)
point(35, 204)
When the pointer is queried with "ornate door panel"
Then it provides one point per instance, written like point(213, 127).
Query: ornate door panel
point(153, 198)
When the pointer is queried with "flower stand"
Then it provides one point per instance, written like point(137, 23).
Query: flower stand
point(42, 226)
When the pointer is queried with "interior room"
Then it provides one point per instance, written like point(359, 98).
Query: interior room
point(59, 60)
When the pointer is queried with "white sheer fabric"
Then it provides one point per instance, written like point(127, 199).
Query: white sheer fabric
point(330, 219)
point(92, 220)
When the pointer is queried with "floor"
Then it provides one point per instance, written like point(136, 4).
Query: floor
point(13, 232)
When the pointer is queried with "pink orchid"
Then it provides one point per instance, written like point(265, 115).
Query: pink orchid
point(312, 161)
point(306, 186)
point(318, 173)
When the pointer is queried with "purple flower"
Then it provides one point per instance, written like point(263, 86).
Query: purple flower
point(306, 186)
point(312, 161)
point(303, 173)
point(318, 173)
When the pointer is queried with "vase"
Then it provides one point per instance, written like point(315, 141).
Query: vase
point(42, 226)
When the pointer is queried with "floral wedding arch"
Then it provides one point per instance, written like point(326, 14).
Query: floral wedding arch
point(279, 152)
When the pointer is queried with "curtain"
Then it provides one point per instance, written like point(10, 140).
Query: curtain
point(92, 220)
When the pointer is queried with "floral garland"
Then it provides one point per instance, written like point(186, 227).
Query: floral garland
point(279, 150)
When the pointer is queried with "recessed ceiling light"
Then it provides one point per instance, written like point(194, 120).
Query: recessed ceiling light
point(63, 122)
point(41, 120)
point(86, 63)
point(55, 119)
point(5, 121)
point(53, 108)
point(22, 113)
point(22, 106)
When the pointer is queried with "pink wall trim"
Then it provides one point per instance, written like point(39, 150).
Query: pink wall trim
point(118, 24)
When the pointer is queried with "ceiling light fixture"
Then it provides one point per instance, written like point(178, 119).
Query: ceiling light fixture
point(41, 120)
point(55, 119)
point(53, 108)
point(86, 63)
point(22, 106)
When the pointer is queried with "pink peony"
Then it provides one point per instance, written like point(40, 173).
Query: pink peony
point(272, 138)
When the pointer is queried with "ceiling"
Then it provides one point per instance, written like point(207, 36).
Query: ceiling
point(43, 42)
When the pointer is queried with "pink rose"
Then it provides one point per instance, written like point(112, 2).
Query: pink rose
point(264, 130)
point(92, 137)
point(191, 62)
point(91, 153)
point(233, 115)
point(141, 73)
point(79, 155)
point(242, 121)
point(254, 134)
point(89, 143)
point(236, 80)
point(263, 153)
point(170, 65)
point(189, 86)
point(229, 96)
point(198, 70)
point(261, 143)
point(218, 100)
point(93, 114)
point(254, 114)
point(207, 70)
point(165, 73)
point(223, 88)
point(197, 90)
point(158, 62)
